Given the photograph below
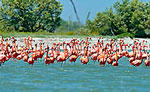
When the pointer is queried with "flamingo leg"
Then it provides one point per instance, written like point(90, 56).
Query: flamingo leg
point(61, 64)
point(94, 61)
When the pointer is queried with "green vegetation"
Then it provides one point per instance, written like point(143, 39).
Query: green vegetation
point(68, 26)
point(30, 15)
point(129, 16)
point(25, 34)
point(125, 35)
point(42, 34)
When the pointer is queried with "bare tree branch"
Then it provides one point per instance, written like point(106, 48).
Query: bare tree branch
point(75, 11)
point(88, 16)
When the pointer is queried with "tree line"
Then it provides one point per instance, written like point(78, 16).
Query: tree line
point(126, 16)
point(30, 15)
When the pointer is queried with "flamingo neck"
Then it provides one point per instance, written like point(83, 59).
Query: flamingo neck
point(120, 45)
point(58, 53)
point(93, 46)
point(141, 56)
point(106, 45)
point(27, 54)
point(98, 44)
point(103, 56)
point(84, 50)
point(47, 54)
point(78, 46)
point(98, 51)
point(75, 47)
point(70, 51)
point(87, 51)
point(64, 53)
point(25, 42)
point(40, 48)
point(2, 45)
point(43, 49)
point(147, 55)
point(63, 46)
point(134, 54)
point(15, 48)
point(110, 56)
point(144, 49)
point(81, 46)
point(116, 56)
point(28, 44)
point(76, 50)
point(32, 53)
point(31, 44)
point(52, 52)
point(35, 49)
point(77, 53)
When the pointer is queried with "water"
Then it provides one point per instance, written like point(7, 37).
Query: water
point(20, 77)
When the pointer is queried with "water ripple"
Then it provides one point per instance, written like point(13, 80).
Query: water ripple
point(19, 76)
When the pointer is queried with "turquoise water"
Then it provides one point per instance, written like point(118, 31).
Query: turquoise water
point(20, 77)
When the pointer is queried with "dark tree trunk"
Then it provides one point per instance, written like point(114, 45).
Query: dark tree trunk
point(112, 29)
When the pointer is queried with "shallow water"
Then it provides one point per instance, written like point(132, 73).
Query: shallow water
point(17, 76)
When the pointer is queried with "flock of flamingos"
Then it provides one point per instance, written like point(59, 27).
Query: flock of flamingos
point(102, 52)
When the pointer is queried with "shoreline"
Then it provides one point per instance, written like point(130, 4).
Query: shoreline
point(20, 41)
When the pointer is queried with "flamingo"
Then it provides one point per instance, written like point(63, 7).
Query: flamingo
point(94, 56)
point(132, 57)
point(116, 63)
point(74, 56)
point(47, 58)
point(19, 57)
point(39, 54)
point(147, 61)
point(2, 58)
point(31, 59)
point(25, 58)
point(62, 57)
point(98, 51)
point(52, 56)
point(144, 54)
point(35, 53)
point(109, 60)
point(14, 54)
point(136, 63)
point(102, 59)
point(85, 58)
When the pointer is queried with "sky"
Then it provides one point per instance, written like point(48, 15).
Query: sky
point(85, 6)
